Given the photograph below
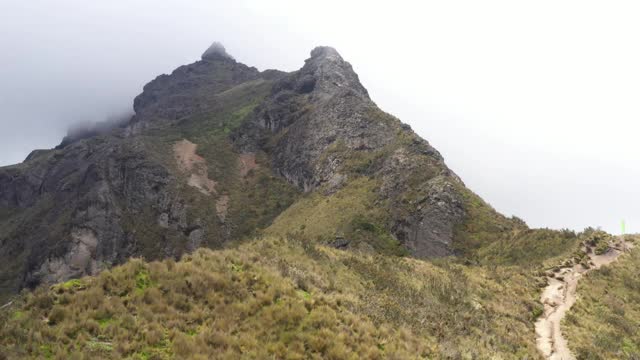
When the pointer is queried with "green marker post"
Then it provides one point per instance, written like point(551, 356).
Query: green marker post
point(622, 226)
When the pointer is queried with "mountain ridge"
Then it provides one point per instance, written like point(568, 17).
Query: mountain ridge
point(311, 131)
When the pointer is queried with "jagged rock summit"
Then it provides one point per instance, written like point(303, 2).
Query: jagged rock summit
point(219, 151)
point(328, 68)
point(216, 50)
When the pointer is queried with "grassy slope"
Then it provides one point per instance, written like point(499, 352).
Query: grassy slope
point(351, 213)
point(487, 237)
point(605, 321)
point(283, 298)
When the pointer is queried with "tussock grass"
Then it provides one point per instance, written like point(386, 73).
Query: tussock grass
point(279, 298)
point(488, 238)
point(530, 248)
point(605, 321)
point(315, 214)
point(351, 212)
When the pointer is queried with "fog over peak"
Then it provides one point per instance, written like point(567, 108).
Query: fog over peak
point(216, 50)
point(533, 105)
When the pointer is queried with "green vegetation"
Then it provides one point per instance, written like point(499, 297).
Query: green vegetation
point(196, 307)
point(483, 225)
point(360, 219)
point(489, 238)
point(144, 226)
point(599, 240)
point(530, 248)
point(315, 214)
point(288, 298)
point(73, 284)
point(604, 322)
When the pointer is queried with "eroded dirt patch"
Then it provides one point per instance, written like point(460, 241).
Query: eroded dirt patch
point(194, 165)
point(247, 163)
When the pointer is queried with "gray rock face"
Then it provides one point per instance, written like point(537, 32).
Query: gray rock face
point(322, 106)
point(319, 105)
point(79, 261)
point(429, 231)
point(67, 209)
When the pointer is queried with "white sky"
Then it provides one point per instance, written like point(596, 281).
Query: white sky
point(534, 104)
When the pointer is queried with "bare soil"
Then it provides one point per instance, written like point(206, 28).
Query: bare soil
point(247, 163)
point(193, 165)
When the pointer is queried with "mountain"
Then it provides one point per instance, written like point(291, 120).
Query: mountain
point(217, 151)
point(262, 214)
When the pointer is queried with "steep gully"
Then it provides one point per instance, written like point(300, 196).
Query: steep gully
point(560, 295)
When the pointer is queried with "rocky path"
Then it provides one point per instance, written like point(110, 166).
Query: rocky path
point(560, 295)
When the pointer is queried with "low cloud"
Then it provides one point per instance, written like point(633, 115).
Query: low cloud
point(86, 129)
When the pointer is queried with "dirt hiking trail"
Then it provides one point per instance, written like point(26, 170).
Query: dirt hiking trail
point(560, 295)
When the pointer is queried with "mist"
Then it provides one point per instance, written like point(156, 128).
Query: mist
point(87, 129)
point(534, 105)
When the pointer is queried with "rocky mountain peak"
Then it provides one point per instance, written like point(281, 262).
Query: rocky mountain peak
point(325, 52)
point(329, 74)
point(216, 51)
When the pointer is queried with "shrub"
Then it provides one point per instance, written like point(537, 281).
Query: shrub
point(603, 324)
point(57, 315)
